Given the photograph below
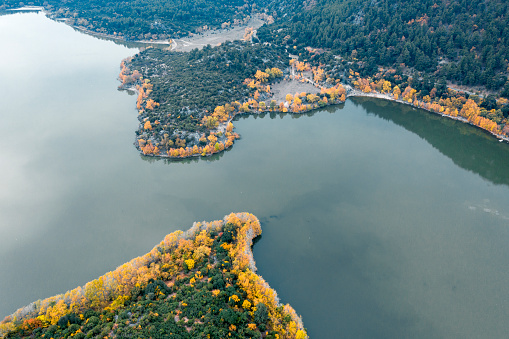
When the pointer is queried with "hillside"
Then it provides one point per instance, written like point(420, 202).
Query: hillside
point(195, 284)
point(464, 41)
point(158, 20)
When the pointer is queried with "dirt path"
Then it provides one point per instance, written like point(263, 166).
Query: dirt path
point(214, 38)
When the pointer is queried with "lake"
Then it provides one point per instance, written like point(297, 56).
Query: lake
point(379, 220)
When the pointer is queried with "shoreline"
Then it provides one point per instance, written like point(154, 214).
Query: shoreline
point(381, 96)
point(351, 93)
point(119, 284)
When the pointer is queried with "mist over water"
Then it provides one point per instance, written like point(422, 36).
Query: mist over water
point(378, 220)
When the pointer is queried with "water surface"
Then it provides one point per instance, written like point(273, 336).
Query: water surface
point(379, 220)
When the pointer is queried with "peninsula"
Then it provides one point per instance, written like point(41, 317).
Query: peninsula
point(195, 284)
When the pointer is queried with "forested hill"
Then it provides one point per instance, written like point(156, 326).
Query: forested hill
point(156, 19)
point(465, 41)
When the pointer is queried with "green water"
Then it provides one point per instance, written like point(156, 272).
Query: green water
point(379, 220)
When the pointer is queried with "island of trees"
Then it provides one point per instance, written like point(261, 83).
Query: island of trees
point(195, 284)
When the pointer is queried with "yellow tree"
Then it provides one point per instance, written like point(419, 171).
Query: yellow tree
point(244, 107)
point(469, 109)
point(229, 127)
point(396, 92)
point(318, 74)
point(210, 122)
point(96, 293)
point(386, 88)
point(276, 72)
point(261, 76)
point(55, 312)
point(212, 139)
point(312, 97)
point(151, 104)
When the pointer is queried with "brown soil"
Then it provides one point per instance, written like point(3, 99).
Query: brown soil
point(214, 38)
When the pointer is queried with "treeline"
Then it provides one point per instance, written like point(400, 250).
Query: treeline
point(197, 284)
point(465, 41)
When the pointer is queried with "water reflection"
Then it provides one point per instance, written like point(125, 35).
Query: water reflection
point(281, 115)
point(185, 161)
point(472, 149)
point(128, 44)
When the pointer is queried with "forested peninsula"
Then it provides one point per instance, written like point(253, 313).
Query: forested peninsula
point(195, 284)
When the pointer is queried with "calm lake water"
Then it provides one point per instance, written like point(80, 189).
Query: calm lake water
point(379, 220)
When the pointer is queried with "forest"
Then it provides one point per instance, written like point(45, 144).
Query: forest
point(195, 284)
point(182, 97)
point(186, 101)
point(151, 19)
point(466, 42)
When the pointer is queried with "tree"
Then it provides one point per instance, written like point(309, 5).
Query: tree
point(318, 74)
point(276, 72)
point(396, 92)
point(229, 127)
point(261, 76)
point(386, 87)
point(261, 314)
point(151, 104)
point(212, 139)
point(210, 122)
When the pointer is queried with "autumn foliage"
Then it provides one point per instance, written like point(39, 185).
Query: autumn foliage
point(455, 106)
point(212, 262)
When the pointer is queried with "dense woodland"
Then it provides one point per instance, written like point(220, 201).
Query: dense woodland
point(195, 284)
point(184, 97)
point(465, 41)
point(156, 19)
point(186, 101)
